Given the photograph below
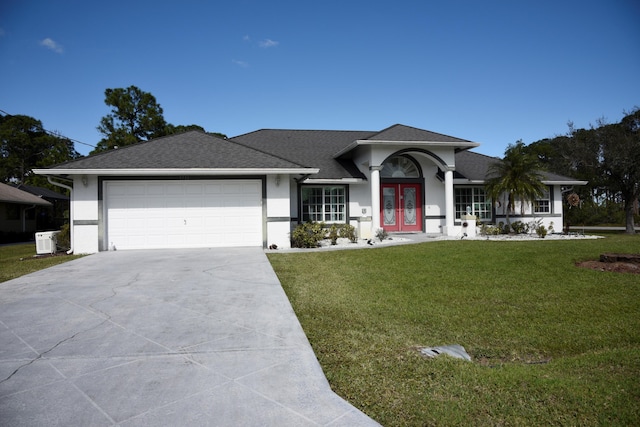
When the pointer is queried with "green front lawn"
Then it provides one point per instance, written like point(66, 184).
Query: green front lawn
point(18, 260)
point(551, 343)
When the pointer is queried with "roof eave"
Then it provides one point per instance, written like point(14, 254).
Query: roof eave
point(177, 171)
point(459, 145)
point(568, 182)
point(40, 202)
point(333, 180)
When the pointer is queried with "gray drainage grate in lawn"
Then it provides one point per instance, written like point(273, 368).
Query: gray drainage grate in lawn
point(454, 350)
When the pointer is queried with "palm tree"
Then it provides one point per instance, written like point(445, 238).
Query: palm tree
point(517, 176)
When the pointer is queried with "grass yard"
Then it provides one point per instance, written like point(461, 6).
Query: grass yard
point(18, 260)
point(552, 344)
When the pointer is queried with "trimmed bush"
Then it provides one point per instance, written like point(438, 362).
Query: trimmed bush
point(308, 235)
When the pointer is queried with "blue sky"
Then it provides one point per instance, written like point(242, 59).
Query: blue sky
point(489, 71)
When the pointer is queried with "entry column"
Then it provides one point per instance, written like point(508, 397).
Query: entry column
point(448, 201)
point(375, 198)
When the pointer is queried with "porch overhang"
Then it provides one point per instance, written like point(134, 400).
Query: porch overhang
point(457, 145)
point(564, 182)
point(333, 181)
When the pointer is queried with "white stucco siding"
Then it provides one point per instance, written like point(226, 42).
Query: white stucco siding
point(554, 218)
point(434, 200)
point(85, 214)
point(85, 198)
point(278, 196)
point(279, 192)
point(359, 200)
point(85, 240)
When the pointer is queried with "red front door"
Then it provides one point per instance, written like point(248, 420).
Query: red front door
point(401, 207)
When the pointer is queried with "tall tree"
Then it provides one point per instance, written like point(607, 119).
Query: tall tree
point(607, 156)
point(135, 116)
point(621, 162)
point(516, 176)
point(25, 145)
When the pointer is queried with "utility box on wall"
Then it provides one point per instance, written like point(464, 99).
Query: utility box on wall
point(46, 242)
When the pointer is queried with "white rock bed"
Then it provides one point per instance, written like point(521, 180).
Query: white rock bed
point(421, 238)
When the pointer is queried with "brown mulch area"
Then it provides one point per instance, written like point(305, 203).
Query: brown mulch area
point(616, 267)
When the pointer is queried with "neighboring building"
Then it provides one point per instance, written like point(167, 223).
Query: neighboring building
point(197, 190)
point(50, 218)
point(18, 213)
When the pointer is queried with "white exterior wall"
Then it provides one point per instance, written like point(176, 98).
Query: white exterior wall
point(293, 206)
point(555, 217)
point(85, 215)
point(434, 197)
point(360, 209)
point(279, 211)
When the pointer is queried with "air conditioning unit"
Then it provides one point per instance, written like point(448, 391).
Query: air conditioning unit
point(46, 242)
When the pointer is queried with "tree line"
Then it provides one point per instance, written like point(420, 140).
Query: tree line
point(608, 157)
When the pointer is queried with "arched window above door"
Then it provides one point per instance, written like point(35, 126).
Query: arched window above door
point(400, 167)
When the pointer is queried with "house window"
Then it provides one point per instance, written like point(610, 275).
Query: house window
point(400, 167)
point(543, 204)
point(475, 199)
point(324, 203)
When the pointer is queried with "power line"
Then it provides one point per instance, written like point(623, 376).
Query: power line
point(56, 134)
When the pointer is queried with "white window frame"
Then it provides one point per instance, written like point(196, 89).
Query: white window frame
point(542, 205)
point(480, 203)
point(329, 207)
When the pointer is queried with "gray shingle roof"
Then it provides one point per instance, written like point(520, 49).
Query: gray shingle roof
point(274, 149)
point(9, 194)
point(400, 132)
point(314, 148)
point(44, 193)
point(317, 148)
point(474, 166)
point(194, 149)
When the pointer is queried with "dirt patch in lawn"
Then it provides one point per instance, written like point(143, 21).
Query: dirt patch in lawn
point(617, 263)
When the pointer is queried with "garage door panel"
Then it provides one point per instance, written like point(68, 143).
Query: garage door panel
point(167, 214)
point(135, 190)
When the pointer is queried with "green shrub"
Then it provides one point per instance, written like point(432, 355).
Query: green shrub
point(519, 227)
point(333, 234)
point(381, 234)
point(307, 235)
point(490, 230)
point(540, 229)
point(504, 228)
point(63, 239)
point(348, 231)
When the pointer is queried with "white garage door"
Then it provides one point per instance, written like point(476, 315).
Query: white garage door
point(183, 214)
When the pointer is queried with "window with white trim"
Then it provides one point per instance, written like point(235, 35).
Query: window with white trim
point(324, 203)
point(543, 204)
point(475, 199)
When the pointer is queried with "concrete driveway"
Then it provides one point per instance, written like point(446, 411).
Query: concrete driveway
point(160, 338)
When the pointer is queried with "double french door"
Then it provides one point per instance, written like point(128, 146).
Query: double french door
point(401, 207)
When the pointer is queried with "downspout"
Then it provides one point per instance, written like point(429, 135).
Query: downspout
point(68, 187)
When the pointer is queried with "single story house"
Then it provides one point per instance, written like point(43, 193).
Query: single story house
point(197, 190)
point(18, 212)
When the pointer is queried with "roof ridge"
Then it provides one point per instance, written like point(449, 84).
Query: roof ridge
point(301, 130)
